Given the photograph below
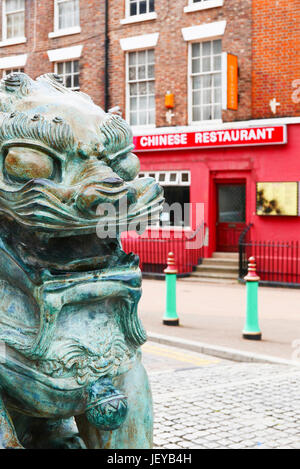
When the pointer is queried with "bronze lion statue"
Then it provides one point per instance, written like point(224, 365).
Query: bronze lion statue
point(70, 363)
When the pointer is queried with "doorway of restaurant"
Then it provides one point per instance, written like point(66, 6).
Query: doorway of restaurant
point(231, 215)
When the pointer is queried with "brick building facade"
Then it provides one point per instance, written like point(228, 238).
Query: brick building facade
point(276, 58)
point(172, 51)
point(211, 89)
point(265, 43)
point(44, 41)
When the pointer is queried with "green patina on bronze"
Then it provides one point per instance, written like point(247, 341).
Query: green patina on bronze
point(68, 311)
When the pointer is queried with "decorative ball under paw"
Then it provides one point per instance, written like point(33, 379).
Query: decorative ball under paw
point(108, 406)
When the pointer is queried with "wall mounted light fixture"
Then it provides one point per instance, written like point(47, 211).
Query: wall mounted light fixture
point(169, 100)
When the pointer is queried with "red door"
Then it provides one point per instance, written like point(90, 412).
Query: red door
point(231, 205)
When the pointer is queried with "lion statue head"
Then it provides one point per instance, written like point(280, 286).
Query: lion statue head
point(64, 160)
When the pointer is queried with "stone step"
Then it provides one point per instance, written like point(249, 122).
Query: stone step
point(221, 269)
point(222, 262)
point(222, 281)
point(215, 275)
point(226, 255)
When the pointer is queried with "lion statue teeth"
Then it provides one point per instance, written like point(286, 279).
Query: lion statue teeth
point(70, 368)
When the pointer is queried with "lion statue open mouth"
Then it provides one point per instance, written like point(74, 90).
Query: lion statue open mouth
point(69, 293)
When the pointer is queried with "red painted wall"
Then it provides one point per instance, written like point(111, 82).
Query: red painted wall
point(252, 165)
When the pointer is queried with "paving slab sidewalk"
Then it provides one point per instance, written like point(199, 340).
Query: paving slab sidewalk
point(214, 315)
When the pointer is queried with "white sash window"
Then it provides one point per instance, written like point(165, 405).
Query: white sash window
point(69, 72)
point(13, 19)
point(139, 7)
point(205, 72)
point(141, 88)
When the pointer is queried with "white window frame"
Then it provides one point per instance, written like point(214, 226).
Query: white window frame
point(202, 5)
point(168, 182)
point(190, 87)
point(11, 70)
point(63, 31)
point(14, 40)
point(73, 88)
point(128, 2)
point(150, 15)
point(167, 177)
point(127, 111)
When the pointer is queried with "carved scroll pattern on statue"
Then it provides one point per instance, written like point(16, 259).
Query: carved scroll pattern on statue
point(23, 129)
point(51, 305)
point(86, 364)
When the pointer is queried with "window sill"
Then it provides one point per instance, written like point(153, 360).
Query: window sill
point(206, 123)
point(139, 18)
point(140, 128)
point(13, 41)
point(65, 32)
point(203, 6)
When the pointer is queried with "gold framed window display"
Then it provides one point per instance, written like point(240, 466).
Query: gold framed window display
point(277, 198)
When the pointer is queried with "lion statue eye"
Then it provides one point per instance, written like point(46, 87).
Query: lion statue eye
point(24, 164)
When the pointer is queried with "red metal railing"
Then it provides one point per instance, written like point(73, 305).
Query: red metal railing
point(278, 263)
point(153, 249)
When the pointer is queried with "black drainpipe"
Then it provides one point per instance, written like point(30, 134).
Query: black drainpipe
point(106, 60)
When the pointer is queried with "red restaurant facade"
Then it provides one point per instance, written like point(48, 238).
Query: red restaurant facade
point(220, 170)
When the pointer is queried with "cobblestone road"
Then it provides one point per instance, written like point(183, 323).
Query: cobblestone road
point(203, 402)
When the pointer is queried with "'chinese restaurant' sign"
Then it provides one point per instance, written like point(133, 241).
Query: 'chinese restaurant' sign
point(212, 139)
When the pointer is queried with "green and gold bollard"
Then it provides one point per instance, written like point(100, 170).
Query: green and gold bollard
point(170, 318)
point(251, 330)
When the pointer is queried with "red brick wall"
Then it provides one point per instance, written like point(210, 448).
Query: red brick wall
point(276, 57)
point(273, 71)
point(172, 52)
point(91, 37)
